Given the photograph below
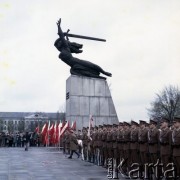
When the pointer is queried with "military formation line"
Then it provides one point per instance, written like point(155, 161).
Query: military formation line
point(132, 149)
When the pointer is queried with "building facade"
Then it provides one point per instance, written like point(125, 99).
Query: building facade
point(22, 121)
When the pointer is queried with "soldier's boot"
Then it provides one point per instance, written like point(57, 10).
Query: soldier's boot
point(90, 158)
point(95, 159)
point(87, 157)
point(115, 169)
point(100, 160)
point(105, 163)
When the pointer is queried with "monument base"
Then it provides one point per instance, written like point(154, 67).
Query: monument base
point(89, 96)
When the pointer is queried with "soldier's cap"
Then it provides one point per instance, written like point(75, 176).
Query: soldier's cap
point(126, 124)
point(152, 121)
point(176, 119)
point(142, 122)
point(120, 123)
point(115, 125)
point(164, 120)
point(134, 123)
point(100, 126)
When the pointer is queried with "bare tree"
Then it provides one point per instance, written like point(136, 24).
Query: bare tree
point(166, 104)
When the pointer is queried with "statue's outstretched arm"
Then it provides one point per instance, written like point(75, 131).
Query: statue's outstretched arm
point(60, 33)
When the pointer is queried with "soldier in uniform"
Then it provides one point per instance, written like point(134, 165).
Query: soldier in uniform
point(126, 147)
point(134, 145)
point(153, 139)
point(115, 149)
point(176, 144)
point(165, 139)
point(95, 145)
point(85, 144)
point(67, 142)
point(143, 144)
point(64, 142)
point(73, 144)
point(120, 141)
point(110, 141)
point(104, 146)
point(99, 145)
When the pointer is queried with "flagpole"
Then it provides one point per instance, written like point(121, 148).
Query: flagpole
point(48, 138)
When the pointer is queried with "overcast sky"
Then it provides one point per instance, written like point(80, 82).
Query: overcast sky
point(142, 51)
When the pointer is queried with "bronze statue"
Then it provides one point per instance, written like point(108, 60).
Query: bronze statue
point(78, 67)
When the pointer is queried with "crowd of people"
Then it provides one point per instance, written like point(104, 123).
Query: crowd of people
point(149, 150)
point(19, 139)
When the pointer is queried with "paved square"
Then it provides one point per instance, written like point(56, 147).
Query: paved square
point(45, 164)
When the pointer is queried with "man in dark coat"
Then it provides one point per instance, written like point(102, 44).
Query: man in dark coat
point(26, 140)
point(73, 144)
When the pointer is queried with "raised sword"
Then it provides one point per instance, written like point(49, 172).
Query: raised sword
point(83, 37)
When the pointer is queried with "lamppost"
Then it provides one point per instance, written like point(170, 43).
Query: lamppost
point(37, 118)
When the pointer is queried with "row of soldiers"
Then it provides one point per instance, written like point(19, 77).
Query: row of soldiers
point(140, 143)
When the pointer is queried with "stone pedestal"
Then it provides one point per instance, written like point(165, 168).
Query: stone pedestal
point(89, 96)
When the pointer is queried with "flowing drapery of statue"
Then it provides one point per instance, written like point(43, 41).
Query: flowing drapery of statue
point(78, 67)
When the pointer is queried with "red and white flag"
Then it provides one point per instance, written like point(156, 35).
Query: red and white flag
point(37, 129)
point(44, 132)
point(49, 124)
point(51, 134)
point(44, 129)
point(54, 133)
point(73, 126)
point(64, 129)
point(59, 129)
point(47, 134)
